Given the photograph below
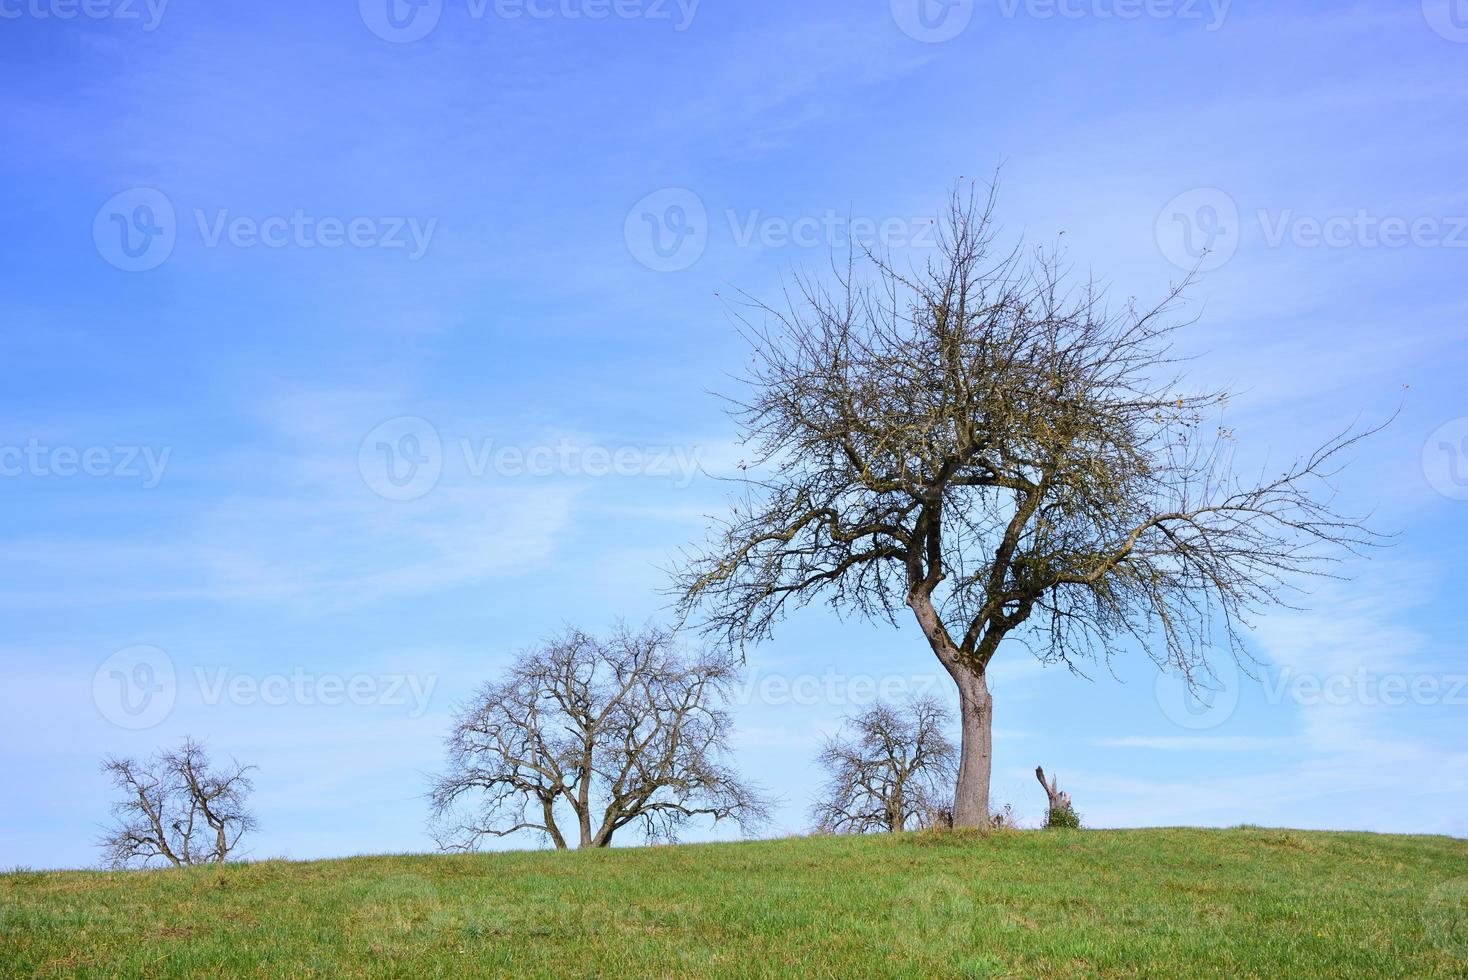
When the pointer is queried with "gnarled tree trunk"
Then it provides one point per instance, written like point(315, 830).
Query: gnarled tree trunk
point(976, 714)
point(976, 755)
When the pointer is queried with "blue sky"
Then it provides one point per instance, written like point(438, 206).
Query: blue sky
point(252, 243)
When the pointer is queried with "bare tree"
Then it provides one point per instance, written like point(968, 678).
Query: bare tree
point(1058, 810)
point(892, 773)
point(176, 809)
point(1004, 455)
point(618, 731)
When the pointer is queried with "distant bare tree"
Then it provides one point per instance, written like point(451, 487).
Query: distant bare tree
point(176, 809)
point(617, 731)
point(890, 773)
point(1059, 812)
point(1003, 455)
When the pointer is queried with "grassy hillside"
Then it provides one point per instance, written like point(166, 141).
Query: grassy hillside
point(1262, 903)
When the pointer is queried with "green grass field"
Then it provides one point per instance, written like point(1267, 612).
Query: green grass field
point(1250, 903)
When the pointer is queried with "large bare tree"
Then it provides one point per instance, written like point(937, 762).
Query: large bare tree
point(1004, 455)
point(892, 771)
point(176, 808)
point(616, 731)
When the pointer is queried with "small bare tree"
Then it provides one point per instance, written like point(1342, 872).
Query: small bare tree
point(892, 773)
point(1059, 813)
point(616, 731)
point(176, 809)
point(1004, 456)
